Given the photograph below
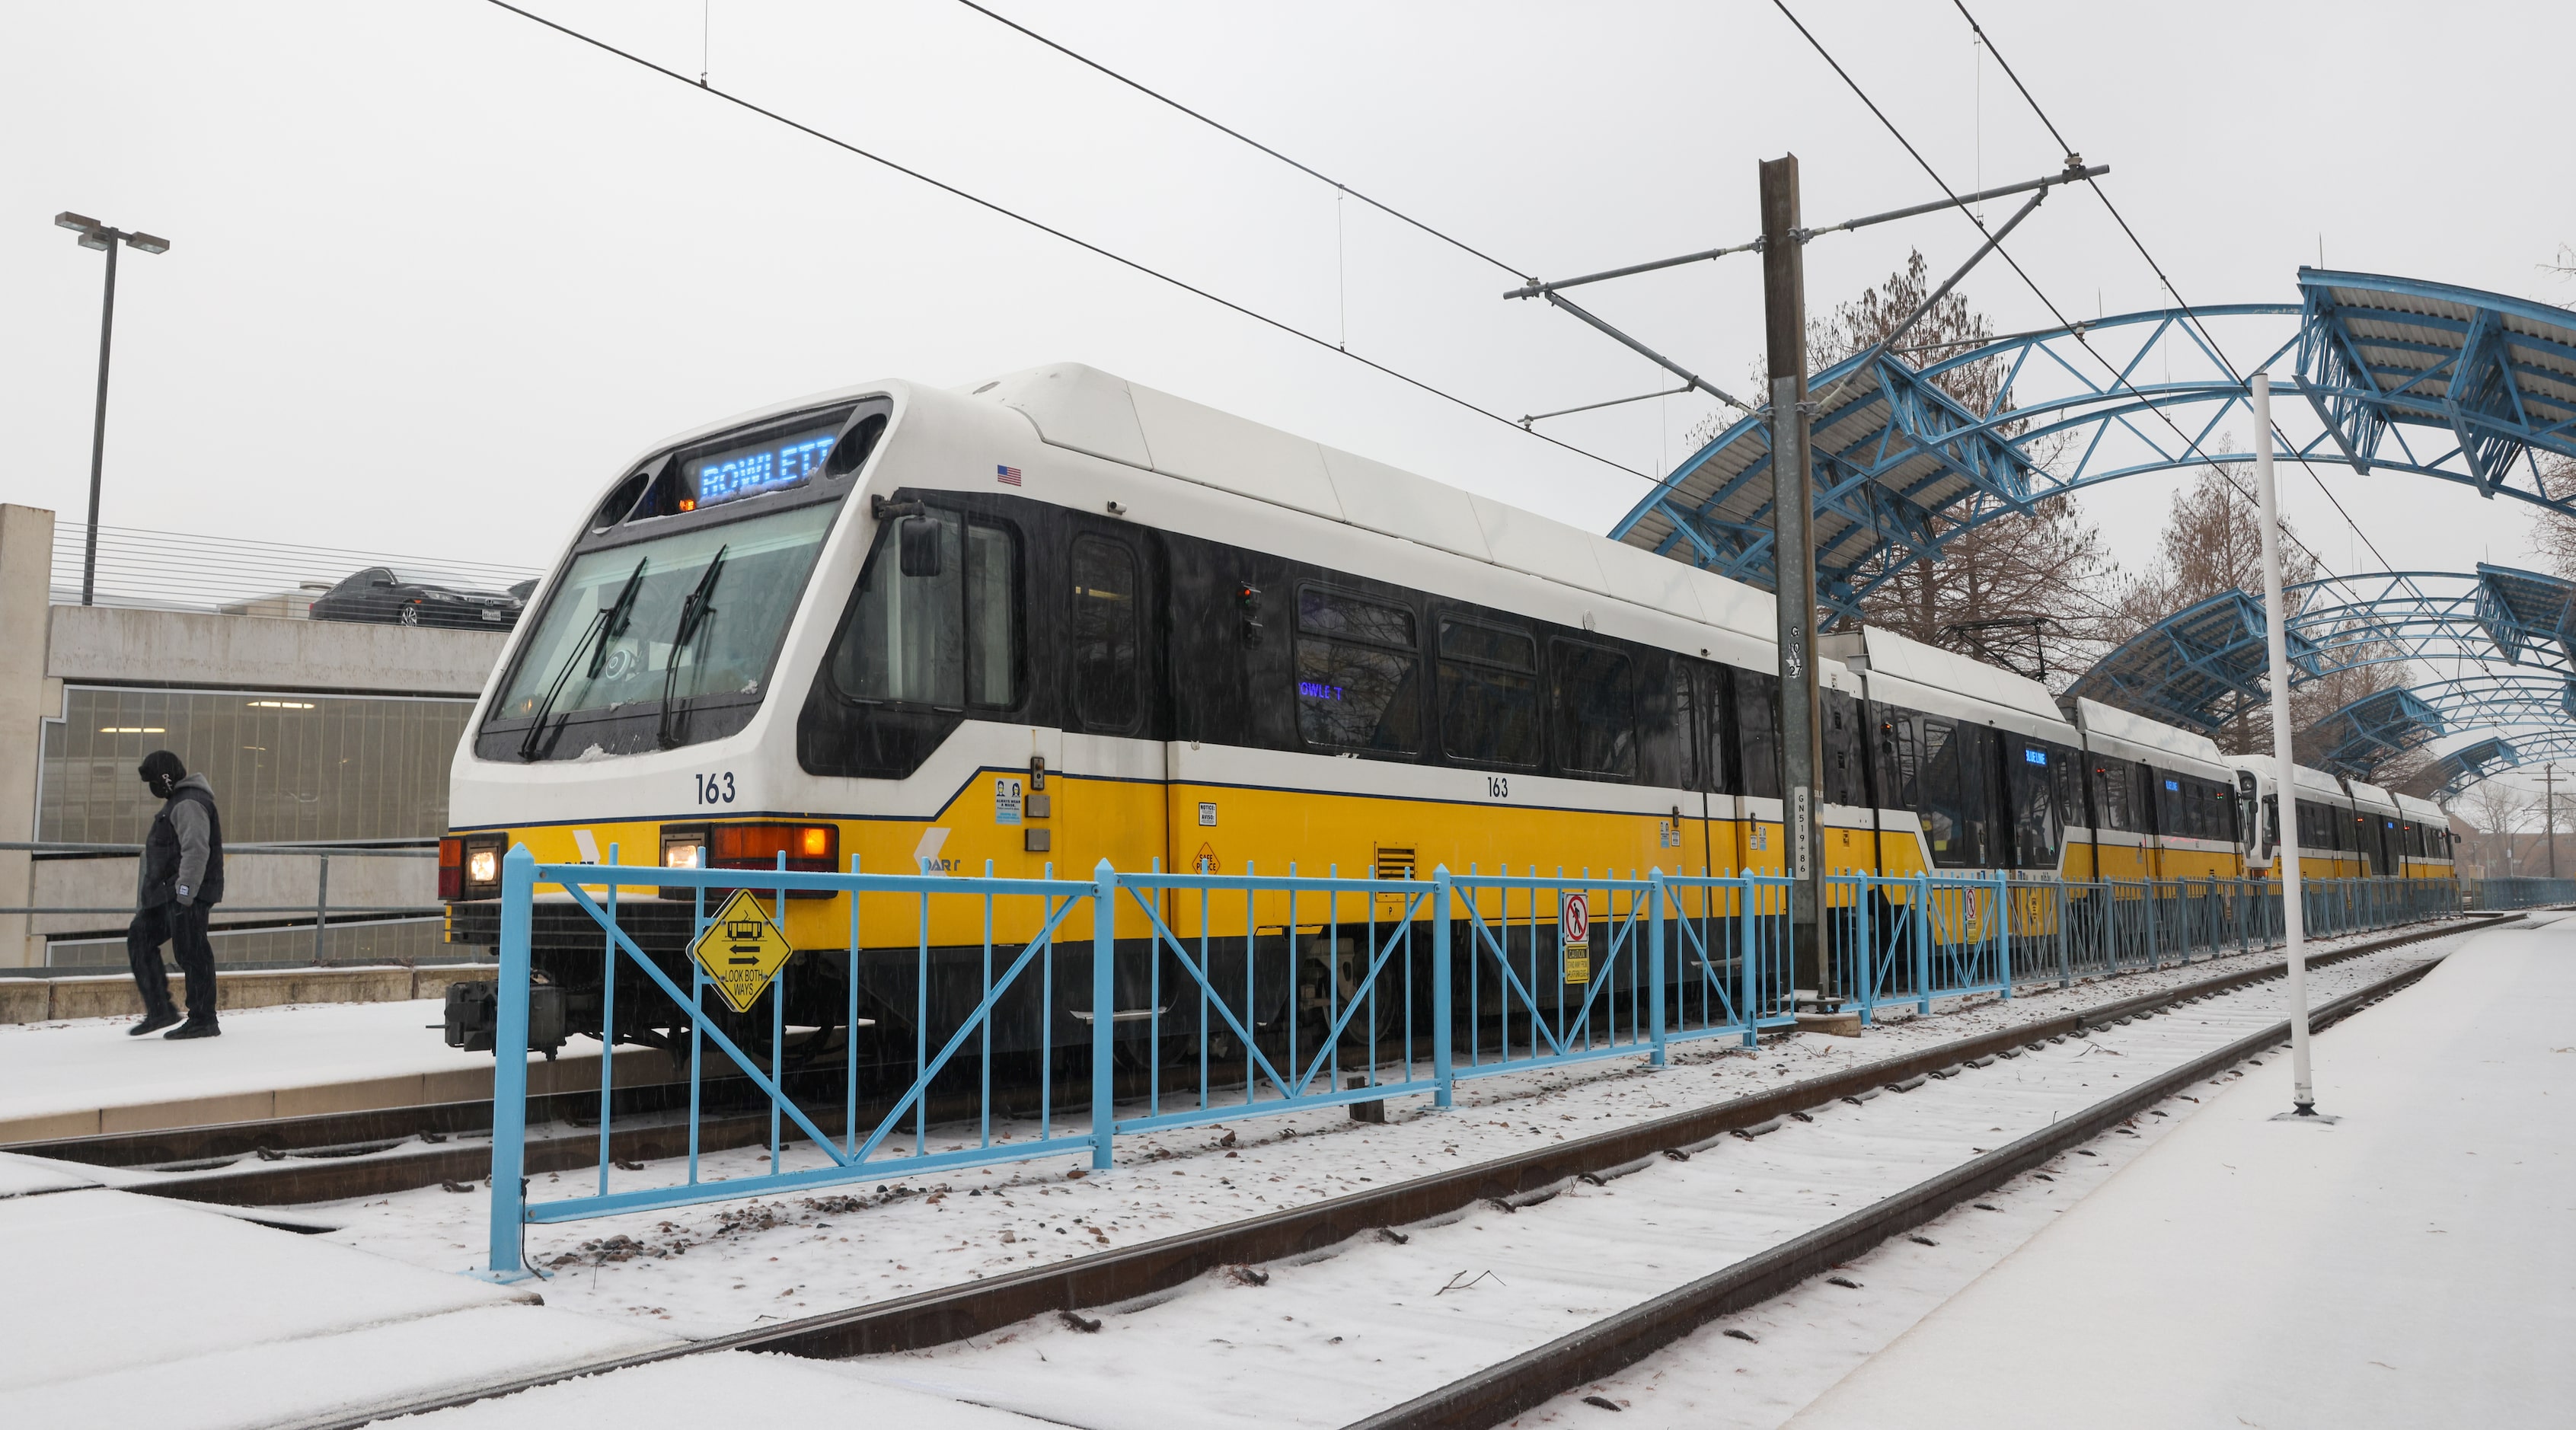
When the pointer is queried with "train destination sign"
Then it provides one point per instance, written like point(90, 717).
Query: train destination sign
point(768, 466)
point(741, 950)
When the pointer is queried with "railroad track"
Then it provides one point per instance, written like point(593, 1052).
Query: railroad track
point(1526, 1381)
point(957, 1313)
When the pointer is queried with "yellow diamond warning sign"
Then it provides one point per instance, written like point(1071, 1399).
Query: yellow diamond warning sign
point(741, 950)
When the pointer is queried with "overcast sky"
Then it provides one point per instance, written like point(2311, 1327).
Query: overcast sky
point(438, 271)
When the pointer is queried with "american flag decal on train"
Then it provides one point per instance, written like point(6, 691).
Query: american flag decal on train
point(1007, 476)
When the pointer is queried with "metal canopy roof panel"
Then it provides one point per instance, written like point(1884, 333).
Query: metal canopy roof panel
point(2198, 666)
point(2468, 764)
point(1891, 449)
point(2521, 607)
point(2496, 373)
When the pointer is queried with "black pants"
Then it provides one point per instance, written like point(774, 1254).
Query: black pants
point(184, 929)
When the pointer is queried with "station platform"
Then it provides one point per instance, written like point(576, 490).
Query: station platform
point(86, 1077)
point(2411, 1264)
point(160, 1313)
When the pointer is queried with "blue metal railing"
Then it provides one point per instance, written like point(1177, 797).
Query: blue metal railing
point(2520, 892)
point(1193, 998)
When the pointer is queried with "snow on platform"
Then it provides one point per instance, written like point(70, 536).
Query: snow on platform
point(132, 1310)
point(84, 1077)
point(2414, 1264)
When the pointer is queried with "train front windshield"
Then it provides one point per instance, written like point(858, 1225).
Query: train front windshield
point(639, 636)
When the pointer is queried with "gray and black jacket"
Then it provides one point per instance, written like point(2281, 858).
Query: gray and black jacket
point(183, 856)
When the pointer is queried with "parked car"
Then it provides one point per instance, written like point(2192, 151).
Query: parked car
point(388, 597)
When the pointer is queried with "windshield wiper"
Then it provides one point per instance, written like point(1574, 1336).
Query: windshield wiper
point(693, 614)
point(604, 627)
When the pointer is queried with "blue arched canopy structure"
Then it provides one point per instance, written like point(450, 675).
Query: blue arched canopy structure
point(2364, 735)
point(2398, 374)
point(2205, 665)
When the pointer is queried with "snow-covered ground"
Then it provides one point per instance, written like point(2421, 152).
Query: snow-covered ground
point(1324, 1340)
point(87, 1063)
point(130, 1310)
point(722, 1267)
point(1804, 1342)
point(2413, 1264)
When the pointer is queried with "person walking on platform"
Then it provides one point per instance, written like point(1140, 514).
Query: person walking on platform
point(181, 880)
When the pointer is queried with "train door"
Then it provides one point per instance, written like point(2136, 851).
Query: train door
point(1109, 802)
point(1697, 748)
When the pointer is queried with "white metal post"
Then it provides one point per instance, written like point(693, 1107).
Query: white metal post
point(2276, 640)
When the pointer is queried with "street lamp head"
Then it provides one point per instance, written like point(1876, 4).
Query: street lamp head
point(97, 238)
point(68, 219)
point(146, 243)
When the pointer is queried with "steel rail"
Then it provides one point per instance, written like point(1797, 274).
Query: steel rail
point(955, 1313)
point(1614, 1343)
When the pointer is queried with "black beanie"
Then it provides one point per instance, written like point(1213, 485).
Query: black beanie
point(162, 772)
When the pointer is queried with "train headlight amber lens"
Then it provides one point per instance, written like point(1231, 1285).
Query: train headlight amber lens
point(483, 866)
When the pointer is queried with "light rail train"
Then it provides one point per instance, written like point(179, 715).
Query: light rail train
point(1062, 618)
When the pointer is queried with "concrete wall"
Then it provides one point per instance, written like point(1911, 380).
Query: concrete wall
point(114, 645)
point(42, 647)
point(26, 698)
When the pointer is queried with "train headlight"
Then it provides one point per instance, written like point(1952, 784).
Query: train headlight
point(483, 866)
point(688, 853)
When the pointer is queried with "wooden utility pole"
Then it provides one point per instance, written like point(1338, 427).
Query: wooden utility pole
point(1802, 746)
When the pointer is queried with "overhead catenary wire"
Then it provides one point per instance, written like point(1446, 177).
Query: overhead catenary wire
point(2119, 379)
point(2167, 281)
point(1229, 131)
point(1123, 261)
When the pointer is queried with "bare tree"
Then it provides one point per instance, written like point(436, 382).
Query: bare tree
point(2553, 538)
point(2005, 585)
point(2213, 544)
point(2496, 809)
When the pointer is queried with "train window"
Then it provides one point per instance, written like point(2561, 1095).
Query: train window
point(2066, 779)
point(1845, 779)
point(1716, 775)
point(2028, 782)
point(2113, 796)
point(1757, 732)
point(1685, 727)
point(1594, 695)
point(1488, 693)
point(1107, 635)
point(992, 616)
point(1357, 669)
point(946, 640)
point(1958, 792)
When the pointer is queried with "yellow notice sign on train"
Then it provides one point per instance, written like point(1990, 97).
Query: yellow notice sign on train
point(741, 950)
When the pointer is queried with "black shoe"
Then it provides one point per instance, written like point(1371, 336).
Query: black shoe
point(194, 1029)
point(153, 1022)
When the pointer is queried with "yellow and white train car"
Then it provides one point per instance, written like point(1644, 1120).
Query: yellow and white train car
point(2163, 799)
point(1060, 618)
point(2423, 835)
point(2325, 826)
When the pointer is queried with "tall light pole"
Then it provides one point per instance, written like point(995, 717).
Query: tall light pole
point(94, 234)
point(2303, 1097)
point(2549, 812)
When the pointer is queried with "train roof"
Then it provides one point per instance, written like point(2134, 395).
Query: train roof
point(1087, 410)
point(2096, 718)
point(2310, 779)
point(1887, 653)
point(2363, 792)
point(2421, 810)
